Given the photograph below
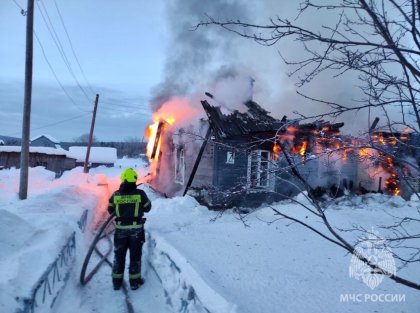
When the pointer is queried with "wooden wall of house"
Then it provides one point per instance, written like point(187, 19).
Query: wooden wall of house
point(54, 163)
point(164, 181)
point(204, 175)
point(10, 159)
point(227, 174)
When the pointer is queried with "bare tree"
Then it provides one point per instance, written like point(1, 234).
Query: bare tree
point(379, 41)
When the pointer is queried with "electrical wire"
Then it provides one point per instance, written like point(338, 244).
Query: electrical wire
point(72, 48)
point(54, 73)
point(53, 124)
point(121, 105)
point(61, 122)
point(59, 46)
point(22, 9)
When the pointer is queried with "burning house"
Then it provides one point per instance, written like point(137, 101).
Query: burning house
point(236, 158)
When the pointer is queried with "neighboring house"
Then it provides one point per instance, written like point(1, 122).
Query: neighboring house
point(10, 141)
point(45, 141)
point(98, 156)
point(1, 142)
point(55, 160)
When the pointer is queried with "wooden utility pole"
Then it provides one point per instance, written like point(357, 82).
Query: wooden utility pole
point(26, 123)
point(92, 126)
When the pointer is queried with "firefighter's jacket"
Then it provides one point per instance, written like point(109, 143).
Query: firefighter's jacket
point(129, 204)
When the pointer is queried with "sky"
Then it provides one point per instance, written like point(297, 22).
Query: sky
point(119, 47)
point(136, 55)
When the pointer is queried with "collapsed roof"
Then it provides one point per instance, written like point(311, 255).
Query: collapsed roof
point(255, 120)
point(258, 120)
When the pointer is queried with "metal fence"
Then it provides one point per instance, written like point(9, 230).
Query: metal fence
point(82, 221)
point(46, 290)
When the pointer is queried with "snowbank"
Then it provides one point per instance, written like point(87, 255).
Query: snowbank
point(33, 231)
point(262, 264)
point(185, 289)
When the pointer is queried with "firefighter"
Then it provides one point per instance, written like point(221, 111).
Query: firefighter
point(129, 204)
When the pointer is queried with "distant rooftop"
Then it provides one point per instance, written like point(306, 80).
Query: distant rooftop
point(45, 150)
point(104, 155)
point(46, 136)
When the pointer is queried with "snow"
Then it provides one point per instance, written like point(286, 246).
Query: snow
point(195, 260)
point(45, 150)
point(105, 155)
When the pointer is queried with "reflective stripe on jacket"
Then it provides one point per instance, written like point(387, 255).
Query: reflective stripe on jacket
point(129, 206)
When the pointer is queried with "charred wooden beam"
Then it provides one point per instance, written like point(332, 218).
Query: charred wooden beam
point(197, 161)
point(374, 124)
point(157, 139)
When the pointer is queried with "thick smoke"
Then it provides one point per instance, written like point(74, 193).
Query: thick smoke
point(215, 60)
point(196, 57)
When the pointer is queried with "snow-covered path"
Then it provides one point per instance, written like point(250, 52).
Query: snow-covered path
point(98, 295)
point(193, 262)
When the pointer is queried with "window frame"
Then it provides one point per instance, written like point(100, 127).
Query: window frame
point(255, 173)
point(180, 165)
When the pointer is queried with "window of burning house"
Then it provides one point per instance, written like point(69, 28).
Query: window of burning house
point(180, 165)
point(230, 157)
point(258, 169)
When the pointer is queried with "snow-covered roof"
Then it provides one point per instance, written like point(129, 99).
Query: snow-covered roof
point(1, 142)
point(48, 137)
point(45, 150)
point(106, 155)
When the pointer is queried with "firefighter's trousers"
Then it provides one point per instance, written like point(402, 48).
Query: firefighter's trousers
point(127, 239)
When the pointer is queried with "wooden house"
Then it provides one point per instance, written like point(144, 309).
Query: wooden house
point(45, 141)
point(55, 160)
point(234, 159)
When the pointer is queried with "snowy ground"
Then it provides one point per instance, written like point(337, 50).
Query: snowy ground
point(195, 260)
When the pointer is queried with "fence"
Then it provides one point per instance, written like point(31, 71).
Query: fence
point(48, 287)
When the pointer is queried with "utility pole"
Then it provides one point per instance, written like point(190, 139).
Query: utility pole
point(26, 124)
point(92, 126)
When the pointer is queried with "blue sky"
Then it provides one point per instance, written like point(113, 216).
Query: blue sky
point(120, 48)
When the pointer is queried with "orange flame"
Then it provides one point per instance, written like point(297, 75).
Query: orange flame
point(176, 111)
point(276, 151)
point(302, 150)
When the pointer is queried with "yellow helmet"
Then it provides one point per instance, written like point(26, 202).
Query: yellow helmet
point(128, 176)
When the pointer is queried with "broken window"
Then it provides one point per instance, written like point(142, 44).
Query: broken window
point(230, 157)
point(180, 165)
point(258, 169)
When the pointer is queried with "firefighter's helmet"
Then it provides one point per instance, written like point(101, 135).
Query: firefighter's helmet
point(128, 176)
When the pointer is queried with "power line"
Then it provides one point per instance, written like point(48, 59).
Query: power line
point(62, 121)
point(53, 124)
point(52, 70)
point(22, 9)
point(121, 105)
point(72, 49)
point(59, 46)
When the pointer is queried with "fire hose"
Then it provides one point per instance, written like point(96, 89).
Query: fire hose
point(104, 257)
point(103, 233)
